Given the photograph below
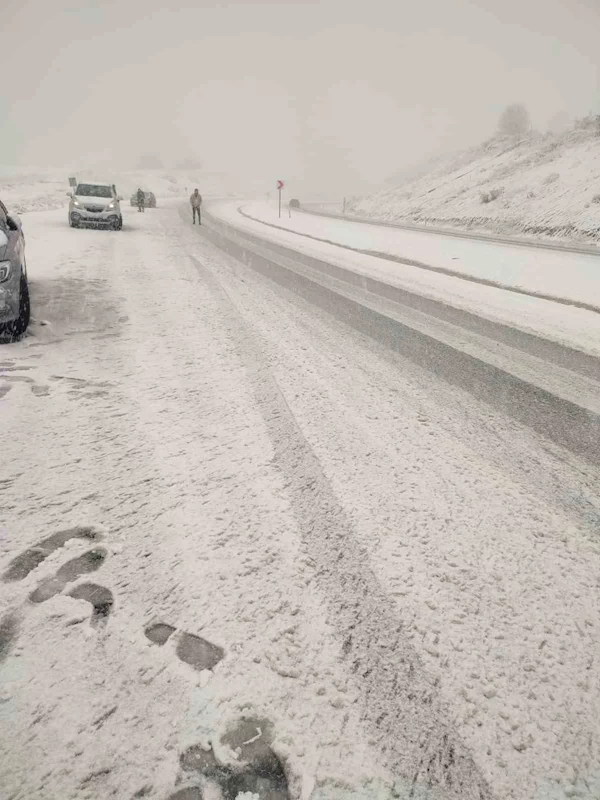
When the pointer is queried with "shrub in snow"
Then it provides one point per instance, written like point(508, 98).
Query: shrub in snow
point(596, 198)
point(591, 122)
point(553, 176)
point(489, 197)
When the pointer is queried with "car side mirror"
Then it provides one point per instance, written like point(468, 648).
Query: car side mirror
point(14, 222)
point(69, 194)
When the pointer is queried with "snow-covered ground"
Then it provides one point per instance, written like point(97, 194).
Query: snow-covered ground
point(544, 186)
point(571, 276)
point(400, 585)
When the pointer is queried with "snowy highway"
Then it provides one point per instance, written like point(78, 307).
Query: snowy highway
point(546, 271)
point(376, 502)
point(466, 274)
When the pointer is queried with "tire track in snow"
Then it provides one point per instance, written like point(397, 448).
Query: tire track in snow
point(401, 703)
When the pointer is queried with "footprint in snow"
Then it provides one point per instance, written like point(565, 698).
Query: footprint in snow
point(69, 572)
point(20, 567)
point(8, 634)
point(193, 650)
point(101, 599)
point(38, 389)
point(77, 388)
point(257, 771)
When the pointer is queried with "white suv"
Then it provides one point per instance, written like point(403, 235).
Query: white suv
point(95, 204)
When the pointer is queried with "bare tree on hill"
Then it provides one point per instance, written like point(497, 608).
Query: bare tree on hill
point(514, 120)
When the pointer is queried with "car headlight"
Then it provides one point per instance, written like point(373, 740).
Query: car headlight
point(111, 206)
point(76, 202)
point(5, 269)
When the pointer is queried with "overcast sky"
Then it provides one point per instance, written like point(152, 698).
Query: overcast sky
point(329, 91)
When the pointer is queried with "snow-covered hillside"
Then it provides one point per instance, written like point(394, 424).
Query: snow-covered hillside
point(545, 185)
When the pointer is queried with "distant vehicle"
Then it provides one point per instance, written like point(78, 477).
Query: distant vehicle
point(14, 289)
point(95, 204)
point(294, 203)
point(149, 199)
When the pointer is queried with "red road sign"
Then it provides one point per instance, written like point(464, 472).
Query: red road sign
point(280, 184)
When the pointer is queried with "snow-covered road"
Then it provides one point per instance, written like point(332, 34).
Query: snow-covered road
point(364, 249)
point(396, 586)
point(572, 276)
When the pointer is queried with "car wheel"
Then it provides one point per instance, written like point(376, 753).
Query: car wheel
point(118, 225)
point(16, 328)
point(73, 224)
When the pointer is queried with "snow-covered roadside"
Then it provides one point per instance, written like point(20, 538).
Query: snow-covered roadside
point(572, 276)
point(131, 410)
point(575, 327)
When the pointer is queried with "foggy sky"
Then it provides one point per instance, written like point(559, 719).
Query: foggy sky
point(329, 92)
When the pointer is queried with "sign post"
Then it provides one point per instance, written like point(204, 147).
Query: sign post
point(73, 182)
point(280, 185)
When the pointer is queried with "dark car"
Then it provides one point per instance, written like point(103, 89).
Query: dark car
point(14, 290)
point(149, 199)
point(294, 203)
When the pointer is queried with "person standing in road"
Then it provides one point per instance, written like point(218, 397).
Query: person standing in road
point(140, 199)
point(196, 202)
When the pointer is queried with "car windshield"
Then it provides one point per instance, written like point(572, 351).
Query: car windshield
point(93, 190)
